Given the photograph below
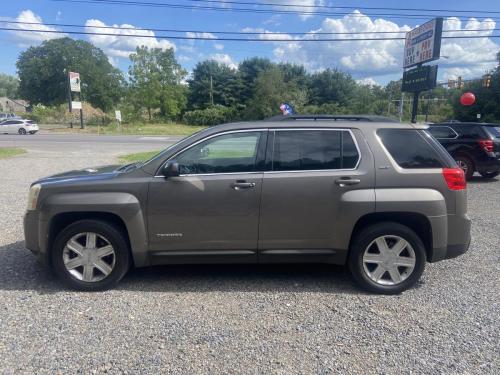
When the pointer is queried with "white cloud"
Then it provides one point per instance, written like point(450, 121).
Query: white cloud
point(224, 59)
point(376, 59)
point(116, 46)
point(27, 38)
point(219, 46)
point(368, 81)
point(190, 34)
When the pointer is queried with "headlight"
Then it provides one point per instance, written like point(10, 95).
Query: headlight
point(33, 196)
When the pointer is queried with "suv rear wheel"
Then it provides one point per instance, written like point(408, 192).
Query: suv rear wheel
point(489, 174)
point(466, 164)
point(387, 258)
point(90, 255)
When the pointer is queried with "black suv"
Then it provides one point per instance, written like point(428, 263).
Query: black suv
point(475, 146)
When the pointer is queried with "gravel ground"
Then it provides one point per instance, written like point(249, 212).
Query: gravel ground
point(243, 319)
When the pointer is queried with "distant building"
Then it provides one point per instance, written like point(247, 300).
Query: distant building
point(13, 105)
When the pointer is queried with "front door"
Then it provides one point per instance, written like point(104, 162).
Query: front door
point(212, 208)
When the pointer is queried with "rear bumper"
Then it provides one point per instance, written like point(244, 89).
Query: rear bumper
point(458, 239)
point(489, 165)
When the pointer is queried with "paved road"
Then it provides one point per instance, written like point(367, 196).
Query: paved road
point(241, 319)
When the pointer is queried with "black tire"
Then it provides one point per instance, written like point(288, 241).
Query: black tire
point(365, 237)
point(22, 131)
point(489, 174)
point(112, 234)
point(466, 164)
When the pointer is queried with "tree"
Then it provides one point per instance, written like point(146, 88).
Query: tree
point(271, 90)
point(332, 86)
point(249, 71)
point(9, 86)
point(156, 82)
point(42, 71)
point(214, 83)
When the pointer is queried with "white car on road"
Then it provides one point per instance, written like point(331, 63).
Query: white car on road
point(18, 126)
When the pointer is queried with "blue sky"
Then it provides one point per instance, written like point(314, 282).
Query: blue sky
point(371, 62)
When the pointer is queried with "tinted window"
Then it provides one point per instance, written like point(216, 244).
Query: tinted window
point(312, 150)
point(442, 132)
point(410, 149)
point(493, 130)
point(228, 153)
point(469, 131)
point(8, 122)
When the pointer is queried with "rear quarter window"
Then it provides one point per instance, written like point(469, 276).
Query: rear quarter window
point(493, 130)
point(410, 149)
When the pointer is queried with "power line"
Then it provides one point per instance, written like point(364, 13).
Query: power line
point(226, 32)
point(269, 11)
point(321, 6)
point(177, 37)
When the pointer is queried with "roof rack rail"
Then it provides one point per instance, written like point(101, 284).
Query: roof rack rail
point(368, 118)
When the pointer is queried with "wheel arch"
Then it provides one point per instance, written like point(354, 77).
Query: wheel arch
point(417, 222)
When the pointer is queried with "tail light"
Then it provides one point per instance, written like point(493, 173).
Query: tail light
point(455, 178)
point(487, 145)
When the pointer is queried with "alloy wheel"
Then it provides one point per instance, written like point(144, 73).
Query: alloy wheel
point(89, 257)
point(389, 260)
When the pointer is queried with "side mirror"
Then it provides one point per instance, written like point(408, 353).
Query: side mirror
point(171, 169)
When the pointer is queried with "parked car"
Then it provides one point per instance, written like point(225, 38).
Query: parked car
point(7, 116)
point(18, 126)
point(383, 198)
point(475, 146)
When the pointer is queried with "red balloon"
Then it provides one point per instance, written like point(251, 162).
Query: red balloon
point(467, 98)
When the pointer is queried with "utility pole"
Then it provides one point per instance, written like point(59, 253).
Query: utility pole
point(401, 106)
point(211, 91)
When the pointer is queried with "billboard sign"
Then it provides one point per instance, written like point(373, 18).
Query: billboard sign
point(423, 43)
point(76, 105)
point(74, 81)
point(419, 79)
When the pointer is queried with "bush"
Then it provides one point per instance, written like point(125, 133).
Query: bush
point(218, 114)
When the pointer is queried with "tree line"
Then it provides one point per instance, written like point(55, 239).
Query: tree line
point(158, 88)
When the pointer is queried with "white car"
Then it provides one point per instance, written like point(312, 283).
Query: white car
point(18, 126)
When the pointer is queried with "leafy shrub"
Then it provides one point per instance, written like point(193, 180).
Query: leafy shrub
point(217, 114)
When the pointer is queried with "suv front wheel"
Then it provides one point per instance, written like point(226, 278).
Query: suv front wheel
point(387, 258)
point(90, 255)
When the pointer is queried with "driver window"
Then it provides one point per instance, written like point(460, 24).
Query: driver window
point(228, 153)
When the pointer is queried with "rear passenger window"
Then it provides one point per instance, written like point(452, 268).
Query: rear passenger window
point(297, 150)
point(409, 149)
point(442, 132)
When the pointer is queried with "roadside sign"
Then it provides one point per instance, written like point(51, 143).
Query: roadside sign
point(74, 81)
point(423, 43)
point(421, 78)
point(76, 105)
point(118, 115)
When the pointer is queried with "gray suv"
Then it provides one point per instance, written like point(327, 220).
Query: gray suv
point(381, 197)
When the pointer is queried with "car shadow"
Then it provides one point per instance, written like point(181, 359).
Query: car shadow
point(481, 180)
point(19, 270)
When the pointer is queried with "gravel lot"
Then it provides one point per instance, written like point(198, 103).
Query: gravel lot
point(243, 319)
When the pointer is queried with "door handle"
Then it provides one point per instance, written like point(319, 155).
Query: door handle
point(240, 185)
point(347, 181)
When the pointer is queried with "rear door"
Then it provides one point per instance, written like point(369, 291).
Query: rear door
point(305, 208)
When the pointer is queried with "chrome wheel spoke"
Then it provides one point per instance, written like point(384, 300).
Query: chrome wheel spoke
point(378, 272)
point(88, 272)
point(399, 246)
point(90, 240)
point(103, 267)
point(104, 251)
point(395, 275)
point(404, 262)
point(75, 247)
point(382, 245)
point(372, 258)
point(73, 263)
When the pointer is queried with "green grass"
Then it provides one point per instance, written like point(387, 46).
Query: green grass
point(137, 156)
point(132, 129)
point(8, 152)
